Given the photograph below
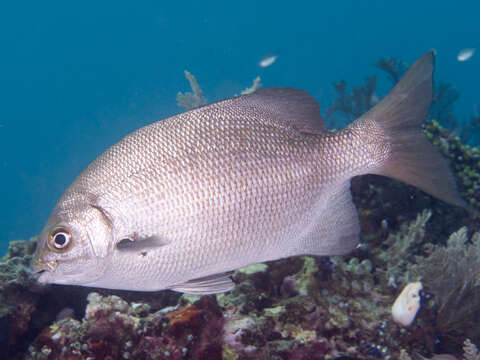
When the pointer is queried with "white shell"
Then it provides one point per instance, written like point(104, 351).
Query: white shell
point(407, 304)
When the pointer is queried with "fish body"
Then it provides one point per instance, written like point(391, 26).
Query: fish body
point(267, 60)
point(182, 202)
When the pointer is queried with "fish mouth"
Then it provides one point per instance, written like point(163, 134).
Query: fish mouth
point(39, 267)
point(44, 271)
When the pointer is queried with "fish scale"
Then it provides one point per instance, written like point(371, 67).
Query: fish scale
point(180, 203)
point(238, 202)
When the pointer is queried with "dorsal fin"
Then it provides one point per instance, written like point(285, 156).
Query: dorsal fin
point(290, 107)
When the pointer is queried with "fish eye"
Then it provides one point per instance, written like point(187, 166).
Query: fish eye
point(59, 239)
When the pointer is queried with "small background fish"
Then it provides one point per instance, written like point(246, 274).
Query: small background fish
point(465, 54)
point(268, 60)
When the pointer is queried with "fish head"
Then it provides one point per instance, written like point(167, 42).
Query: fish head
point(72, 248)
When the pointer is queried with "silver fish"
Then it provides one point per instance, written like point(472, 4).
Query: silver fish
point(465, 54)
point(182, 202)
point(267, 60)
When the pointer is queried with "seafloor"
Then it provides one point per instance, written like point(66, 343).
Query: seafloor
point(296, 308)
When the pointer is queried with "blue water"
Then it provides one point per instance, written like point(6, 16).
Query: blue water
point(77, 76)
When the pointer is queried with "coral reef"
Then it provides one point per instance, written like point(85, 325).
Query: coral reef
point(454, 302)
point(456, 294)
point(470, 352)
point(397, 252)
point(298, 308)
point(17, 305)
point(115, 329)
point(464, 161)
point(27, 307)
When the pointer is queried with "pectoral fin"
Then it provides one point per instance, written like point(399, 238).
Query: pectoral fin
point(212, 284)
point(134, 243)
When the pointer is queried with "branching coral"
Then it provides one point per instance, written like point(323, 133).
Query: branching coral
point(353, 105)
point(393, 68)
point(396, 253)
point(256, 84)
point(363, 97)
point(194, 99)
point(444, 98)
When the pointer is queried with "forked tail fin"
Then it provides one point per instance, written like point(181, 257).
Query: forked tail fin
point(399, 115)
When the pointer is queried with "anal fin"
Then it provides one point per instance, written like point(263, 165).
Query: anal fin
point(333, 227)
point(211, 284)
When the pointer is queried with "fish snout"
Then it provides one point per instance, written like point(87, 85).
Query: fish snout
point(39, 266)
